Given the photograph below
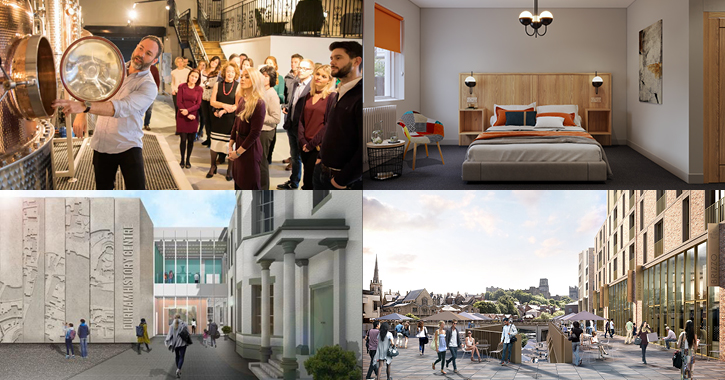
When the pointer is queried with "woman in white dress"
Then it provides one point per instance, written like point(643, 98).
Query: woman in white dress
point(385, 341)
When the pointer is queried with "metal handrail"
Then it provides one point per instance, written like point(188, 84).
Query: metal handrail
point(197, 47)
point(715, 212)
point(203, 19)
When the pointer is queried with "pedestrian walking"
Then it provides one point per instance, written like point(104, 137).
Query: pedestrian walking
point(177, 340)
point(372, 346)
point(205, 339)
point(576, 333)
point(440, 345)
point(406, 332)
point(385, 342)
point(509, 331)
point(83, 333)
point(422, 335)
point(142, 336)
point(70, 334)
point(611, 328)
point(643, 331)
point(399, 334)
point(193, 325)
point(213, 333)
point(687, 343)
point(454, 341)
point(630, 331)
point(606, 328)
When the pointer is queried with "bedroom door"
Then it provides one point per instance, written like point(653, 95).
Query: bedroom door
point(714, 100)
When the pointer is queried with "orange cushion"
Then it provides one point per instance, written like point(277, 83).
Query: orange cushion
point(501, 115)
point(568, 117)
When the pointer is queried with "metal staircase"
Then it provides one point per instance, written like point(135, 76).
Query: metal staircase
point(192, 33)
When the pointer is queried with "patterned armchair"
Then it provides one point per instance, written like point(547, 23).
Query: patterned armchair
point(420, 129)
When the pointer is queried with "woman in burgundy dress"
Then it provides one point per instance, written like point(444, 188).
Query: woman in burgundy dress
point(188, 101)
point(312, 123)
point(245, 147)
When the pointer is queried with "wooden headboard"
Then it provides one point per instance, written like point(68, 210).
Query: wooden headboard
point(544, 89)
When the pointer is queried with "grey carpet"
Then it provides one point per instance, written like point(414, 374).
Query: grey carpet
point(631, 171)
point(157, 171)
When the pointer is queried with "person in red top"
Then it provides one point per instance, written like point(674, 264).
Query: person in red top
point(312, 123)
point(188, 99)
point(157, 79)
point(245, 148)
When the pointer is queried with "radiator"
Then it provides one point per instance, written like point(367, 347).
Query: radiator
point(371, 115)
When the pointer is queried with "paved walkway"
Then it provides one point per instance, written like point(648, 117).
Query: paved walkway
point(626, 364)
point(221, 363)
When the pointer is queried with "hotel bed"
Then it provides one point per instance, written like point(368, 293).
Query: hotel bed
point(527, 153)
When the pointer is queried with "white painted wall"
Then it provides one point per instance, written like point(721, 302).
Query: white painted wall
point(282, 48)
point(97, 12)
point(662, 132)
point(411, 51)
point(493, 41)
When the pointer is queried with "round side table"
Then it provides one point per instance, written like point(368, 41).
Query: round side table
point(386, 159)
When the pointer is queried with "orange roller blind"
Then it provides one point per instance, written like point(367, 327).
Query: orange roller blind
point(387, 29)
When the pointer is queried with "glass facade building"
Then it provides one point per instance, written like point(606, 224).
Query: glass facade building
point(188, 276)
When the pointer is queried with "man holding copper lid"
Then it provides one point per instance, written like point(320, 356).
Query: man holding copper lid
point(117, 138)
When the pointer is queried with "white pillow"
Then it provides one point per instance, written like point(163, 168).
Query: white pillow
point(514, 107)
point(566, 108)
point(549, 122)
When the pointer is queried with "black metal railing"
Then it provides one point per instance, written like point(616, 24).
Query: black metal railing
point(319, 18)
point(209, 17)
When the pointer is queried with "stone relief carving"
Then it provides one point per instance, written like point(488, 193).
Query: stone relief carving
point(54, 296)
point(102, 286)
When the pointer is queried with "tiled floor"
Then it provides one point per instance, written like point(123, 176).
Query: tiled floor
point(626, 364)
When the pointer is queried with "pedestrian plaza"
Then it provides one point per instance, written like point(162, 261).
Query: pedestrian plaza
point(624, 363)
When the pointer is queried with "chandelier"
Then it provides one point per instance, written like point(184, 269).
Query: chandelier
point(536, 20)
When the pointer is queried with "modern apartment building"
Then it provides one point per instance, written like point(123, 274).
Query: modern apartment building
point(586, 279)
point(293, 271)
point(658, 258)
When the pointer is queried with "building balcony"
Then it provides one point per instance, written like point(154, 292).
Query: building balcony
point(659, 247)
point(661, 203)
point(190, 290)
point(631, 233)
point(631, 202)
point(716, 212)
point(325, 18)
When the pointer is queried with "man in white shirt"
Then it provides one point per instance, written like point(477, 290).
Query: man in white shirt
point(454, 341)
point(670, 337)
point(509, 331)
point(117, 138)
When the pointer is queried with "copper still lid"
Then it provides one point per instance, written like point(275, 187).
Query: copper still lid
point(92, 69)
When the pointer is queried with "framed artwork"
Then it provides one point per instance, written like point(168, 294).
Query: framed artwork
point(650, 64)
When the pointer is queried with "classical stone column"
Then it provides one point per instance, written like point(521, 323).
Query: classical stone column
point(304, 346)
point(289, 359)
point(338, 289)
point(265, 349)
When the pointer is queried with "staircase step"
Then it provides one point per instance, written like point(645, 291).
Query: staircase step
point(276, 364)
point(264, 371)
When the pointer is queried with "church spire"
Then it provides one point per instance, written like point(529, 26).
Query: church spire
point(375, 276)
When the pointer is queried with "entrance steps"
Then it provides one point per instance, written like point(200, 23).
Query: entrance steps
point(267, 371)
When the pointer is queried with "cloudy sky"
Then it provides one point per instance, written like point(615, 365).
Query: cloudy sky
point(464, 241)
point(172, 208)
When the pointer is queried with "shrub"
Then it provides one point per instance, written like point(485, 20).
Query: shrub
point(333, 363)
point(524, 339)
point(226, 330)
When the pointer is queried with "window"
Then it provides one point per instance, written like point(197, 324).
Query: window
point(685, 219)
point(257, 309)
point(263, 211)
point(644, 248)
point(318, 196)
point(388, 54)
point(641, 215)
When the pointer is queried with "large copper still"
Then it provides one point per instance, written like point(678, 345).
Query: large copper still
point(32, 39)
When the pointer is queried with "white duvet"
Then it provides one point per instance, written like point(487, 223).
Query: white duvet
point(534, 152)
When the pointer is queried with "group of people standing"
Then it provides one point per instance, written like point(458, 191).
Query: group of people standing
point(239, 107)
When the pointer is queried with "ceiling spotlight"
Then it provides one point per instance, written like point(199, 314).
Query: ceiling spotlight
point(134, 5)
point(168, 7)
point(132, 14)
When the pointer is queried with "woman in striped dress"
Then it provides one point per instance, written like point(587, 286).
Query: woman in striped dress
point(224, 99)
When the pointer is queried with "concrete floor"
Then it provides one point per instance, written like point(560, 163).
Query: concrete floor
point(625, 364)
point(163, 123)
